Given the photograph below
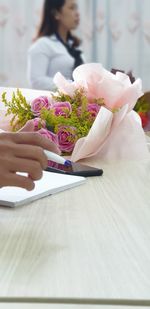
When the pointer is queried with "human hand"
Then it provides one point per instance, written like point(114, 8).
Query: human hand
point(23, 152)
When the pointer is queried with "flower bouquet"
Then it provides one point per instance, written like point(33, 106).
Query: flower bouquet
point(91, 116)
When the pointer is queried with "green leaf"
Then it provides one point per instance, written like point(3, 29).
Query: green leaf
point(19, 108)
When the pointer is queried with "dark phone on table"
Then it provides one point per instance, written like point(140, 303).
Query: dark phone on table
point(74, 169)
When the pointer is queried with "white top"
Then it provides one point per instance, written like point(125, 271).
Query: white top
point(46, 57)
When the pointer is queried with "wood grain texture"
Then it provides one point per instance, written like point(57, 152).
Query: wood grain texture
point(90, 241)
point(52, 306)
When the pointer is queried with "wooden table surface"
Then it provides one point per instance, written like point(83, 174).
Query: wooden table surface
point(91, 241)
point(52, 306)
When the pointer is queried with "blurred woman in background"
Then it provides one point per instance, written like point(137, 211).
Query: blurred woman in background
point(55, 49)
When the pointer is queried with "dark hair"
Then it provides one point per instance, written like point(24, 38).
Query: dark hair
point(49, 24)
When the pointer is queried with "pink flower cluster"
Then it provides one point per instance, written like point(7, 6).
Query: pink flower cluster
point(66, 135)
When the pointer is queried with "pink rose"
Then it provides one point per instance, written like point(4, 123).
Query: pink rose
point(49, 135)
point(66, 138)
point(38, 123)
point(93, 109)
point(39, 103)
point(62, 109)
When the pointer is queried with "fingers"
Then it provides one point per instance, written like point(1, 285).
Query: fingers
point(31, 167)
point(18, 181)
point(32, 153)
point(33, 138)
point(23, 152)
point(53, 147)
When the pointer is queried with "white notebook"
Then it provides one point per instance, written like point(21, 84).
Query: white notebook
point(49, 184)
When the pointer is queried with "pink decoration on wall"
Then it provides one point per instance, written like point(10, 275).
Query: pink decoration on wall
point(115, 30)
point(133, 22)
point(20, 26)
point(100, 21)
point(87, 30)
point(4, 15)
point(146, 31)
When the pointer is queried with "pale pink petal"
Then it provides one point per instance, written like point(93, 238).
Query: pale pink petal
point(63, 84)
point(124, 78)
point(126, 142)
point(99, 83)
point(88, 146)
point(116, 90)
point(84, 71)
point(131, 94)
point(119, 116)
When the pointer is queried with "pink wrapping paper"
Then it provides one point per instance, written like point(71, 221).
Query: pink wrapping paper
point(114, 135)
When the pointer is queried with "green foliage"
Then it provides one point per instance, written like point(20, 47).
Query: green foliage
point(142, 105)
point(19, 108)
point(82, 121)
